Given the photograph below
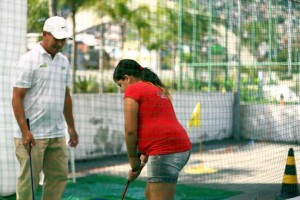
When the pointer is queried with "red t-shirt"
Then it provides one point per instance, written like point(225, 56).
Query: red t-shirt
point(159, 131)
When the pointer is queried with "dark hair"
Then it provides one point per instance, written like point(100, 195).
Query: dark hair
point(132, 68)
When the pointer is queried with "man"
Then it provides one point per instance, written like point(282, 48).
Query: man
point(41, 94)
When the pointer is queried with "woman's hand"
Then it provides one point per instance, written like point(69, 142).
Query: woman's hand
point(134, 173)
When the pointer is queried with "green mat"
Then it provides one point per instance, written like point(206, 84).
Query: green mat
point(103, 187)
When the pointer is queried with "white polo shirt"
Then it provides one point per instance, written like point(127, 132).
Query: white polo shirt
point(46, 80)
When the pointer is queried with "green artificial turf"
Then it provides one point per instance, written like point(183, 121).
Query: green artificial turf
point(103, 187)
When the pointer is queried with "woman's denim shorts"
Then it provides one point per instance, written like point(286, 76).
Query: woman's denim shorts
point(165, 168)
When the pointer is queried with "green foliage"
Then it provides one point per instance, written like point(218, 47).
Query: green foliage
point(170, 84)
point(126, 16)
point(200, 86)
point(89, 84)
point(162, 36)
point(260, 29)
point(249, 88)
point(249, 95)
point(75, 5)
point(37, 15)
point(158, 30)
point(217, 49)
point(110, 87)
point(86, 84)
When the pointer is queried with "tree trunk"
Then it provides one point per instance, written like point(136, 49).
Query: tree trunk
point(101, 59)
point(73, 53)
point(123, 29)
point(139, 46)
point(52, 4)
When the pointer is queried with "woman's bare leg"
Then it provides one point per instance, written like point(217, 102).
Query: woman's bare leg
point(160, 191)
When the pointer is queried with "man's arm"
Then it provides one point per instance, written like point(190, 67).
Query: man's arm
point(68, 113)
point(18, 108)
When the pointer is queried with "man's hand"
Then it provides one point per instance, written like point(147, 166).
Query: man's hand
point(73, 141)
point(28, 140)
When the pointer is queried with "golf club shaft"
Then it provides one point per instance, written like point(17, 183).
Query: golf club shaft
point(30, 162)
point(128, 181)
point(127, 184)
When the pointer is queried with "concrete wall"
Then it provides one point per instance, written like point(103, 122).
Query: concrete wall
point(99, 120)
point(271, 122)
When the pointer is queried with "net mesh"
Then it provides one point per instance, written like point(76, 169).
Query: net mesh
point(232, 68)
point(13, 44)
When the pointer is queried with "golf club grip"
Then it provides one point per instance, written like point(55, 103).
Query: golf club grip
point(28, 124)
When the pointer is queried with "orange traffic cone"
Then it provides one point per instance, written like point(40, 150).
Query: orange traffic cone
point(289, 188)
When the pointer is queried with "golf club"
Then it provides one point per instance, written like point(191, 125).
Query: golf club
point(128, 182)
point(125, 190)
point(30, 162)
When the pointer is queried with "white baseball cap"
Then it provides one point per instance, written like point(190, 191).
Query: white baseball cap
point(57, 26)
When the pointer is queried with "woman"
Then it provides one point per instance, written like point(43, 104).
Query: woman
point(151, 127)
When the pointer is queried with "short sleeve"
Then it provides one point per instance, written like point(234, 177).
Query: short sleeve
point(132, 92)
point(69, 76)
point(22, 76)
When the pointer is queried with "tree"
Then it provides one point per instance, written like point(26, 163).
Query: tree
point(124, 14)
point(52, 4)
point(164, 30)
point(74, 6)
point(261, 33)
point(140, 20)
point(37, 15)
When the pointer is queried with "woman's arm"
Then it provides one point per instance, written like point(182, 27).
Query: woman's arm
point(131, 108)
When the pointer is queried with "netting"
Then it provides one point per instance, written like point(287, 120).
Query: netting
point(232, 67)
point(13, 44)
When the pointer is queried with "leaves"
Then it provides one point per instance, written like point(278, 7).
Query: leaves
point(37, 15)
point(86, 84)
